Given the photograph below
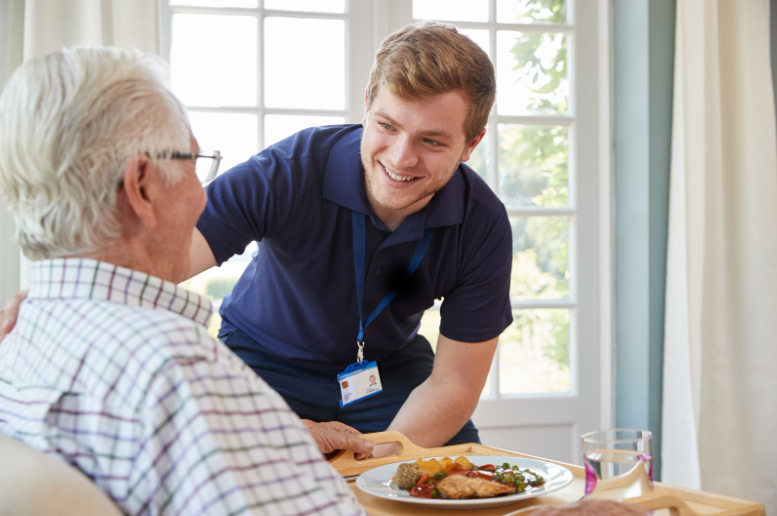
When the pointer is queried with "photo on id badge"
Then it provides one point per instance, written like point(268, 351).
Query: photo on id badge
point(359, 384)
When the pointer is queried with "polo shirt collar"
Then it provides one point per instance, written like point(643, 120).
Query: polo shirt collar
point(344, 185)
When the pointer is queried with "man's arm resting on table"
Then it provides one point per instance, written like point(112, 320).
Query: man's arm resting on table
point(437, 409)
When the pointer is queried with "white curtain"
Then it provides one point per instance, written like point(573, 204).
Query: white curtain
point(720, 357)
point(49, 25)
point(10, 57)
point(52, 24)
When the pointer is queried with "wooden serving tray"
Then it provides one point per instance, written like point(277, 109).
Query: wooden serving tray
point(665, 500)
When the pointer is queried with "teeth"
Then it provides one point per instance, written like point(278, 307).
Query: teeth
point(396, 177)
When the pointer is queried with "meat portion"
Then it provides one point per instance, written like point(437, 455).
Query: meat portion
point(458, 487)
point(407, 475)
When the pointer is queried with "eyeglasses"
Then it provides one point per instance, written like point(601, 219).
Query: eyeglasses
point(206, 168)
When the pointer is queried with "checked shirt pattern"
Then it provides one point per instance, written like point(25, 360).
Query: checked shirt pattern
point(113, 371)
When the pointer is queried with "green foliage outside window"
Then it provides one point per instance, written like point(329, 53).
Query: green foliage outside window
point(533, 169)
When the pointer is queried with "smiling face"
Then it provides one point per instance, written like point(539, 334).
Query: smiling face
point(410, 149)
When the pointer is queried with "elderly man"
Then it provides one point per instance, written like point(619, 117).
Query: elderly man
point(110, 366)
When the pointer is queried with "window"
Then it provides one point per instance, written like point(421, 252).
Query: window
point(525, 160)
point(229, 65)
point(545, 154)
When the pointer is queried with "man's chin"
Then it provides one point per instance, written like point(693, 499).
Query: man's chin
point(395, 204)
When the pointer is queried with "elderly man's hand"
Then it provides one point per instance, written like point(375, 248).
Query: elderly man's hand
point(592, 508)
point(10, 312)
point(333, 435)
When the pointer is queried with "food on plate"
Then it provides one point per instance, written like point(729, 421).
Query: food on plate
point(408, 475)
point(460, 479)
point(459, 487)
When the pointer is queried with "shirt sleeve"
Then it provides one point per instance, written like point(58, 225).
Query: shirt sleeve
point(478, 308)
point(248, 202)
point(217, 440)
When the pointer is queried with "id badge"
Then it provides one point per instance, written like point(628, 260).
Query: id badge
point(358, 382)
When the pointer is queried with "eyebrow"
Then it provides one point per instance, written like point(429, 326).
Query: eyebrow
point(443, 133)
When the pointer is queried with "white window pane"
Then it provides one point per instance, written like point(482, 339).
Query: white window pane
point(540, 258)
point(278, 127)
point(478, 160)
point(234, 134)
point(533, 165)
point(245, 4)
point(486, 392)
point(213, 59)
point(430, 327)
point(531, 11)
point(469, 10)
point(531, 72)
point(534, 353)
point(305, 63)
point(430, 330)
point(320, 6)
point(479, 36)
point(217, 282)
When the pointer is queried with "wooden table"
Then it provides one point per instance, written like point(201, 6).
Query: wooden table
point(678, 500)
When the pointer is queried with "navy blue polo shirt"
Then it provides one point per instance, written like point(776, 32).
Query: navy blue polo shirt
point(297, 297)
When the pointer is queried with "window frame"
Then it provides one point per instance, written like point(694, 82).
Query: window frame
point(360, 46)
point(590, 402)
point(589, 29)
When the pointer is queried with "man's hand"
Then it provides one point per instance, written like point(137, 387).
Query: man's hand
point(10, 312)
point(591, 508)
point(333, 435)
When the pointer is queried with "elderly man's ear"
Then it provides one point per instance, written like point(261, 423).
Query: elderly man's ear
point(142, 191)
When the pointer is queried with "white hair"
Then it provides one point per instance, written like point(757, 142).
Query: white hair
point(69, 123)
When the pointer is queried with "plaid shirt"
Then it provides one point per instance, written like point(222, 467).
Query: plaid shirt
point(113, 370)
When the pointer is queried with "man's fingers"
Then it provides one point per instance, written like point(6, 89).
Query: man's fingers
point(330, 437)
point(10, 312)
point(341, 427)
point(357, 444)
point(386, 449)
point(329, 440)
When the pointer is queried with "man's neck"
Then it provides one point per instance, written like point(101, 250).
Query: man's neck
point(123, 256)
point(394, 218)
point(391, 218)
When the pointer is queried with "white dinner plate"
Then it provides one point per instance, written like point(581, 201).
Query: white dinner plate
point(379, 482)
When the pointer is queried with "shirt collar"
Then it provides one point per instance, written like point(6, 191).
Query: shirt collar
point(344, 185)
point(81, 278)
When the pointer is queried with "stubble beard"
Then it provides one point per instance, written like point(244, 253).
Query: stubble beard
point(379, 169)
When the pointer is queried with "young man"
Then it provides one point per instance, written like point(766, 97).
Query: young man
point(110, 366)
point(362, 227)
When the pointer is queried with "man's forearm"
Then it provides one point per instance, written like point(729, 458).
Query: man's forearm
point(435, 411)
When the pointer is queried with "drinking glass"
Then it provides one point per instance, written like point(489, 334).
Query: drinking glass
point(618, 463)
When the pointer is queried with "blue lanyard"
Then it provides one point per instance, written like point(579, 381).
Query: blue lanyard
point(358, 259)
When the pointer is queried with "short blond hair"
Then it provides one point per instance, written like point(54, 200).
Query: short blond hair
point(430, 58)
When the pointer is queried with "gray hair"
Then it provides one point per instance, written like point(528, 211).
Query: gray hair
point(69, 123)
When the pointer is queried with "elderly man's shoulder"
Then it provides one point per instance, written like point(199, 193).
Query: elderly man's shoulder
point(148, 334)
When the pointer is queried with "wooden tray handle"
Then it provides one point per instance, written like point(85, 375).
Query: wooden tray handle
point(344, 459)
point(656, 500)
point(648, 502)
